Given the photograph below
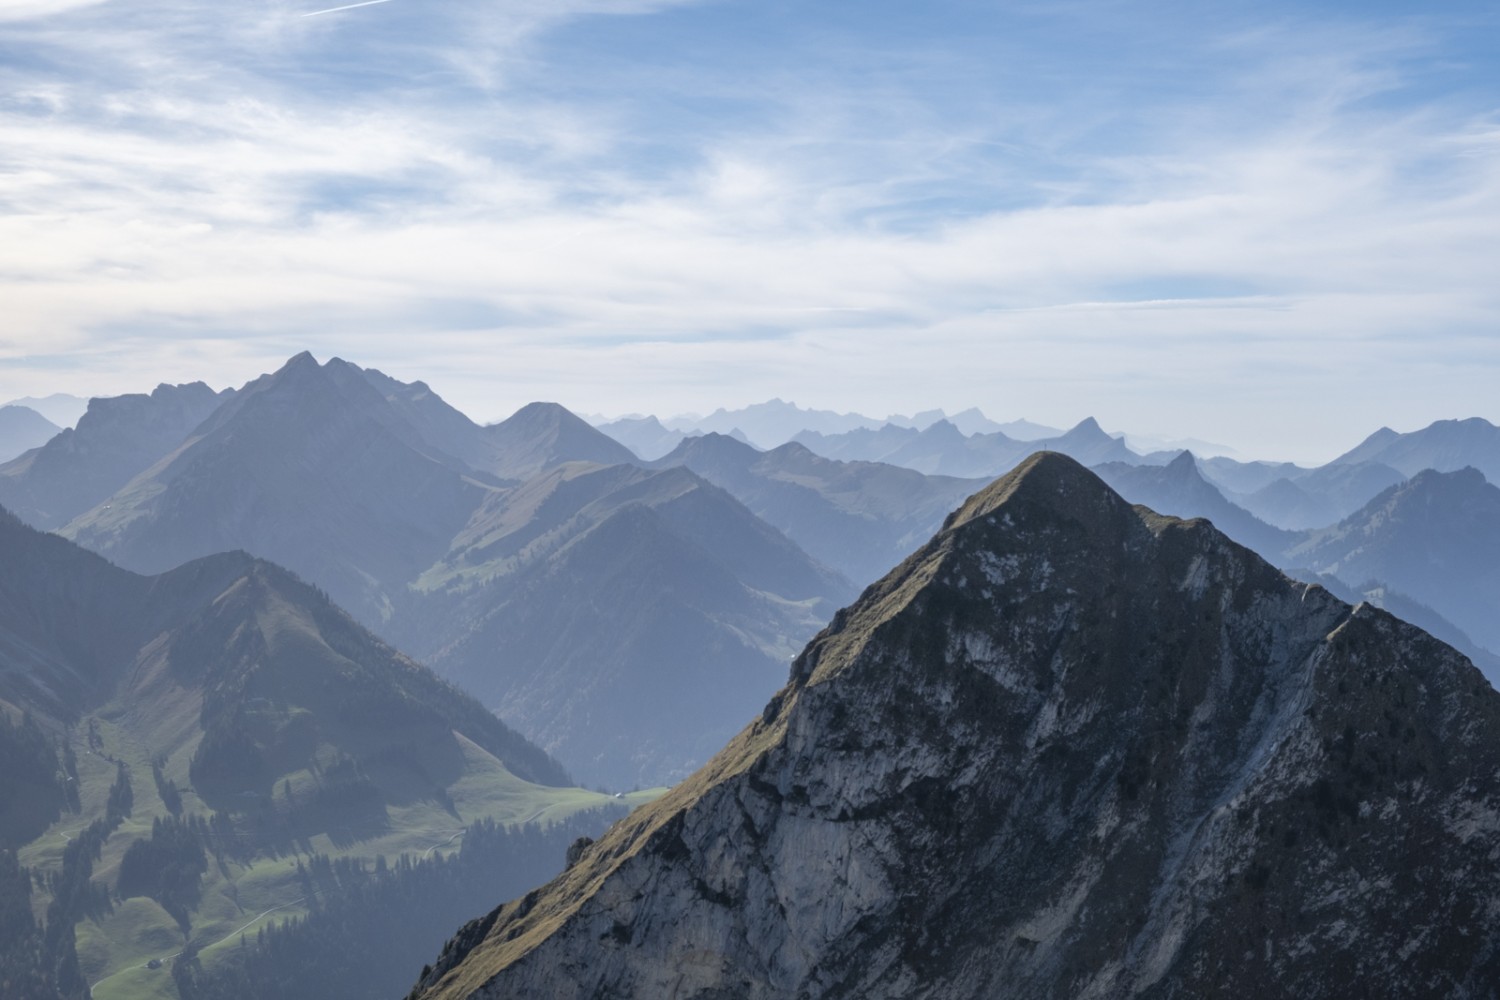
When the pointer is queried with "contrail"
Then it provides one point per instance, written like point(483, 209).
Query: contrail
point(347, 6)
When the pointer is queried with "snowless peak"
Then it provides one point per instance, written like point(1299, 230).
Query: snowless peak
point(1184, 462)
point(1069, 747)
point(1048, 480)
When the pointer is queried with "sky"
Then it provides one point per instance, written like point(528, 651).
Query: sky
point(1273, 225)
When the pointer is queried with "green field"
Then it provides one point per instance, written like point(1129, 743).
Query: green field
point(239, 898)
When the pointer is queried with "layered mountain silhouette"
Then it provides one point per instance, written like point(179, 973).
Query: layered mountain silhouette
point(1179, 489)
point(22, 429)
point(858, 517)
point(1434, 538)
point(622, 617)
point(115, 440)
point(309, 467)
point(943, 449)
point(1068, 748)
point(1291, 497)
point(1445, 446)
point(61, 408)
point(644, 436)
point(469, 548)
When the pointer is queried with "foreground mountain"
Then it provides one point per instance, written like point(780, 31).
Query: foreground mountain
point(22, 429)
point(118, 438)
point(861, 518)
point(169, 741)
point(1435, 538)
point(1068, 748)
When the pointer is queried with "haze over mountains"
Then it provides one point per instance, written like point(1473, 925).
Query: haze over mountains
point(1067, 748)
point(625, 617)
point(21, 429)
point(1276, 508)
point(458, 542)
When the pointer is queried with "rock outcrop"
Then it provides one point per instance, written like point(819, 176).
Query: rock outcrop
point(1070, 748)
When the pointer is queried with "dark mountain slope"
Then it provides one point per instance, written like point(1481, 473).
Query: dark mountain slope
point(1069, 748)
point(115, 440)
point(1435, 538)
point(858, 517)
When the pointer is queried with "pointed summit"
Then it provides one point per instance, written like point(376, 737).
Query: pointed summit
point(710, 450)
point(1048, 483)
point(1089, 443)
point(1068, 748)
point(542, 435)
point(1184, 464)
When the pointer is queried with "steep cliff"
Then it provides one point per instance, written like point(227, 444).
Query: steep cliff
point(1069, 748)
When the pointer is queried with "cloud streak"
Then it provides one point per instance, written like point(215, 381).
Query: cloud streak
point(569, 200)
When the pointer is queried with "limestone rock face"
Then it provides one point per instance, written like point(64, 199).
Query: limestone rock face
point(1069, 748)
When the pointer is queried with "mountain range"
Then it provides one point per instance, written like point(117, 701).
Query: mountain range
point(775, 422)
point(1067, 748)
point(461, 544)
point(858, 517)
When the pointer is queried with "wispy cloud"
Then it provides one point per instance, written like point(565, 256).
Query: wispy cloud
point(674, 205)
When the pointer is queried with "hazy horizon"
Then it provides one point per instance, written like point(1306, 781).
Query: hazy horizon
point(1269, 228)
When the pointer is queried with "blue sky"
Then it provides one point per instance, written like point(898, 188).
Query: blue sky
point(1272, 225)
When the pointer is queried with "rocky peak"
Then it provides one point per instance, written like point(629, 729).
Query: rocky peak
point(1067, 748)
point(1184, 465)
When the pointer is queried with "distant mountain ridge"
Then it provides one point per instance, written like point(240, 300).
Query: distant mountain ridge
point(21, 429)
point(776, 422)
point(1435, 537)
point(1444, 446)
point(59, 408)
point(859, 517)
